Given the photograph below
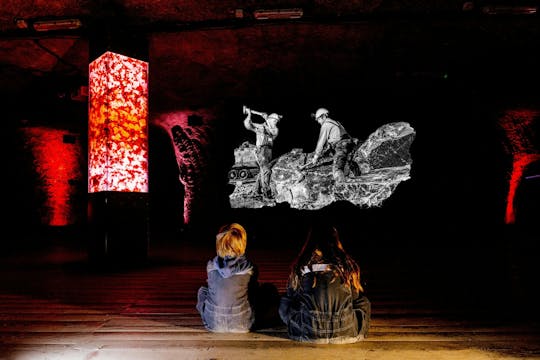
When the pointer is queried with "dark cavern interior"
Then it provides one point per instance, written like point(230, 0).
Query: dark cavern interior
point(120, 185)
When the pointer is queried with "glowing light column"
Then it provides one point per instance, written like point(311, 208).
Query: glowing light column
point(118, 124)
point(118, 155)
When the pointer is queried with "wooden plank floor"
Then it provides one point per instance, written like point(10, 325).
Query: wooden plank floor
point(55, 305)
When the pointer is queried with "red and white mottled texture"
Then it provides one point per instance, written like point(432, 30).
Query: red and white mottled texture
point(118, 124)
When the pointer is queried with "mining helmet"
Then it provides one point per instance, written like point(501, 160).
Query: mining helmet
point(274, 116)
point(320, 112)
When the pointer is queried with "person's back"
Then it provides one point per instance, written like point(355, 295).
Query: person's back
point(324, 302)
point(225, 304)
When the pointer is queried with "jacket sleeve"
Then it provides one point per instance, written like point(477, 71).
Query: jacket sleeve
point(285, 305)
point(248, 124)
point(321, 142)
point(362, 308)
point(253, 284)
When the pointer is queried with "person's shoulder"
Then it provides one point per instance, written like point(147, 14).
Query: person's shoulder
point(325, 125)
point(210, 264)
point(332, 122)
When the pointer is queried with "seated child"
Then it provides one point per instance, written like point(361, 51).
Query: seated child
point(225, 304)
point(324, 302)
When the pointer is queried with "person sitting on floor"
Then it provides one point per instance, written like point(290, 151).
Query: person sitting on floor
point(324, 301)
point(226, 304)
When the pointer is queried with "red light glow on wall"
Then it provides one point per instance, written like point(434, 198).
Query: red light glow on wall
point(192, 148)
point(118, 124)
point(57, 165)
point(517, 125)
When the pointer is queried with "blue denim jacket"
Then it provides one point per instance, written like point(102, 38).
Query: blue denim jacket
point(225, 304)
point(327, 313)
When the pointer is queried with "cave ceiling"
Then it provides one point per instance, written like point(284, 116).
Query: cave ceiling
point(205, 52)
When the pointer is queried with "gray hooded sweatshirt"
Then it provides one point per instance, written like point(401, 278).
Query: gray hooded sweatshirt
point(225, 304)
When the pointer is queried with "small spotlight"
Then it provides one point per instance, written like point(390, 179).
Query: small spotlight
point(21, 23)
point(468, 6)
point(239, 13)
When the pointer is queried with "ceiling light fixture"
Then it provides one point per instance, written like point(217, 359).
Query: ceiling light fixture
point(278, 14)
point(56, 24)
point(509, 10)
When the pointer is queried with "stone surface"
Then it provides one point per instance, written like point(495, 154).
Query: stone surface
point(384, 161)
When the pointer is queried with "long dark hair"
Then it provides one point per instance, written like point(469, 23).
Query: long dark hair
point(323, 246)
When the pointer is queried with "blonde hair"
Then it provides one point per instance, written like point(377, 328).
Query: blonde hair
point(231, 240)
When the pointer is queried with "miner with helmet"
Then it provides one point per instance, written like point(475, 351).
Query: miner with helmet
point(265, 134)
point(333, 137)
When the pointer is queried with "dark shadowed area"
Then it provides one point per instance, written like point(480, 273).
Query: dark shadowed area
point(453, 70)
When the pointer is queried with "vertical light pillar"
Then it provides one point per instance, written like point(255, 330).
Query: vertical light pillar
point(118, 124)
point(118, 157)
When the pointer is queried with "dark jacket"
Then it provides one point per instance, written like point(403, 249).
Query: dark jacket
point(225, 304)
point(328, 313)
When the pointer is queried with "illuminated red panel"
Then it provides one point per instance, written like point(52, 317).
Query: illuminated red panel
point(56, 164)
point(517, 125)
point(118, 124)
